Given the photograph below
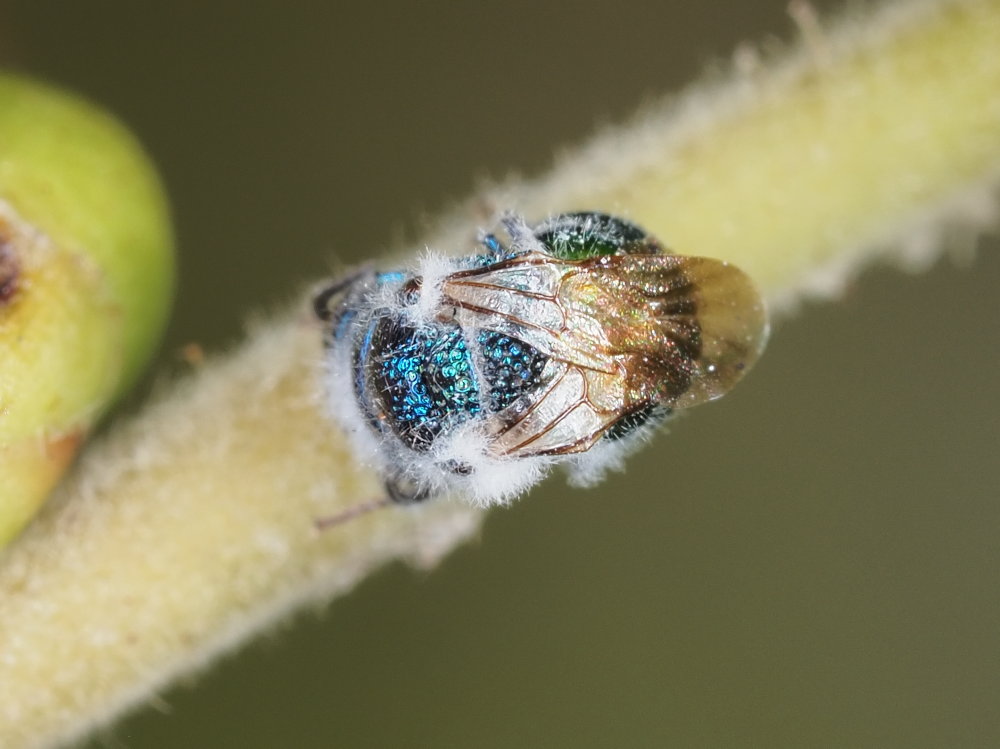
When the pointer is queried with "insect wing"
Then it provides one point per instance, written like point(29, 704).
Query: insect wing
point(565, 418)
point(521, 297)
point(680, 330)
point(625, 331)
point(733, 325)
point(683, 330)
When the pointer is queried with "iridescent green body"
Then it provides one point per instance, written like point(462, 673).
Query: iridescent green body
point(582, 331)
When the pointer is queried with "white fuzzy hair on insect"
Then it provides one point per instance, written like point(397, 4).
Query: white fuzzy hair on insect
point(489, 479)
point(432, 268)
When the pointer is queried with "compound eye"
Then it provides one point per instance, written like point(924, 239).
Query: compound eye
point(409, 294)
point(328, 303)
point(323, 304)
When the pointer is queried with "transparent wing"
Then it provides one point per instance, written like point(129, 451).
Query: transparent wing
point(565, 418)
point(632, 330)
point(734, 327)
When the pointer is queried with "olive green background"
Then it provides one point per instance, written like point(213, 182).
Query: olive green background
point(812, 562)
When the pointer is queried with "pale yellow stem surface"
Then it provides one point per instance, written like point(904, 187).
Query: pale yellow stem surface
point(191, 526)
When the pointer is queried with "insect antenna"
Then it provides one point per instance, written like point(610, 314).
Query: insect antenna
point(350, 513)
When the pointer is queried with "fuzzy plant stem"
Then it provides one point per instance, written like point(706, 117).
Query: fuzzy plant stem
point(191, 526)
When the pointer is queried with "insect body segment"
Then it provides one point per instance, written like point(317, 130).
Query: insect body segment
point(480, 373)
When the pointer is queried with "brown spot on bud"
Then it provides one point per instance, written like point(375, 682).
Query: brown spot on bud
point(61, 449)
point(10, 270)
point(192, 354)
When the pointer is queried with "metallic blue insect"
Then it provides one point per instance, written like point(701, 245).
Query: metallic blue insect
point(566, 345)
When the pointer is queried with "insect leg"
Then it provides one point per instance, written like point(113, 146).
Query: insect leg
point(397, 493)
point(350, 513)
point(403, 491)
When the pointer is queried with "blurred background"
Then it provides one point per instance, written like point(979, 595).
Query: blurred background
point(812, 561)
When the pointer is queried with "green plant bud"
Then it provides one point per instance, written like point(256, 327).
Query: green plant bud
point(86, 277)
